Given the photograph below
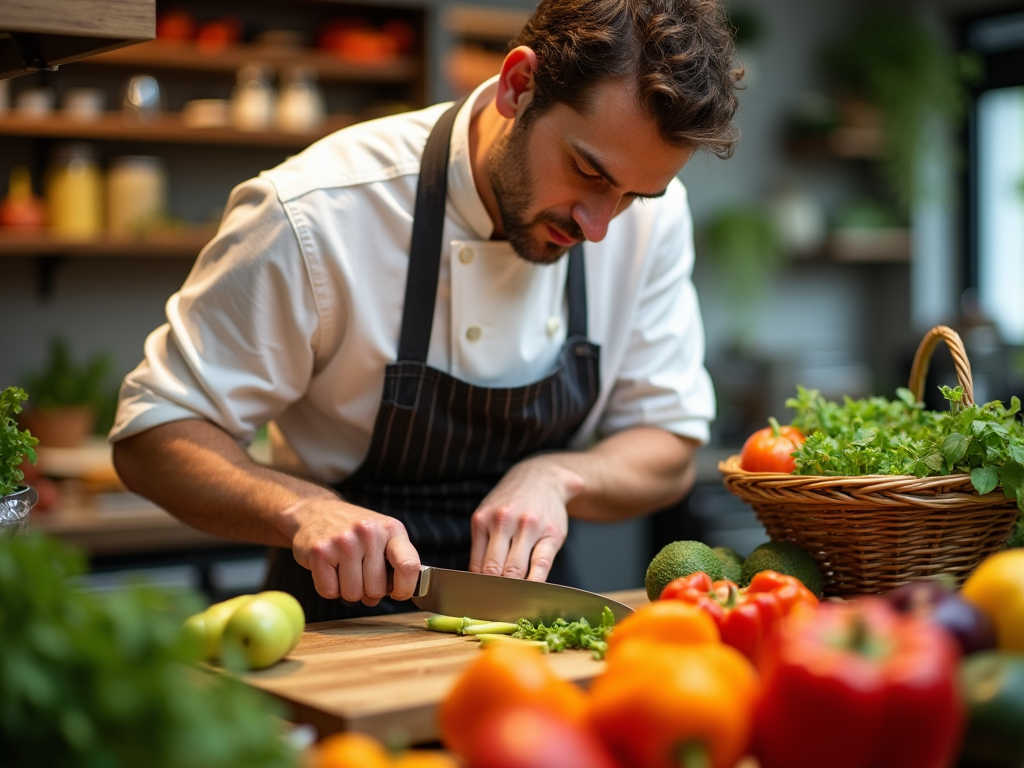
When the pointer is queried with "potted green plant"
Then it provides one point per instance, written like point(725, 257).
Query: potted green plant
point(745, 251)
point(16, 499)
point(891, 64)
point(67, 397)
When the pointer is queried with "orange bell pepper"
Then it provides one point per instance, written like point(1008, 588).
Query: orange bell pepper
point(503, 676)
point(424, 758)
point(350, 750)
point(525, 736)
point(675, 706)
point(357, 750)
point(671, 622)
point(745, 617)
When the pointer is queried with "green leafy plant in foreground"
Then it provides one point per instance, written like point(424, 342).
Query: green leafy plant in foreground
point(91, 680)
point(563, 635)
point(15, 444)
point(877, 436)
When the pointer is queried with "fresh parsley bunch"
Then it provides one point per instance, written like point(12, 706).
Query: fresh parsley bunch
point(92, 680)
point(15, 444)
point(563, 635)
point(876, 436)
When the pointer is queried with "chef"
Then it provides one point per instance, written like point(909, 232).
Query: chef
point(463, 325)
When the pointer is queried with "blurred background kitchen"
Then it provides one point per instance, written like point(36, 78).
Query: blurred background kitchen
point(878, 190)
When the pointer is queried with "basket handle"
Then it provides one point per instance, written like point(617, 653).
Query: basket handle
point(919, 370)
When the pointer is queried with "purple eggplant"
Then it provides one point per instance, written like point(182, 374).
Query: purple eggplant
point(934, 601)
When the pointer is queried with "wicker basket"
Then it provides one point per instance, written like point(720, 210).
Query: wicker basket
point(871, 533)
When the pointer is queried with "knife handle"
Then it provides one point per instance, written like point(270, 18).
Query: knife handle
point(421, 583)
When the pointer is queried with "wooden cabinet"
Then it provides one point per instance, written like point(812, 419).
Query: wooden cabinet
point(40, 35)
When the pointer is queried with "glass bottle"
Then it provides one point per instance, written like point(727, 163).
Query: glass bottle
point(252, 101)
point(74, 191)
point(300, 108)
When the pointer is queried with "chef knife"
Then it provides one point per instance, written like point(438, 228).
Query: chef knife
point(497, 598)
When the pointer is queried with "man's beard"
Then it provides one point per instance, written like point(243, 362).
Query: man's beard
point(512, 183)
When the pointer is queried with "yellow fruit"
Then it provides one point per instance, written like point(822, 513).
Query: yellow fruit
point(997, 587)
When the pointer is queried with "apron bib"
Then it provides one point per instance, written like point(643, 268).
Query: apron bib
point(440, 444)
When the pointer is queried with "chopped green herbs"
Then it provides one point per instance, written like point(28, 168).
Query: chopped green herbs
point(560, 636)
point(563, 635)
point(876, 436)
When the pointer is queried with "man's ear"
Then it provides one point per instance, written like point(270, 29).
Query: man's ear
point(515, 84)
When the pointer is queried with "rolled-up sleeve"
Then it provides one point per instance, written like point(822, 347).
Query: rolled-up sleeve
point(239, 345)
point(662, 380)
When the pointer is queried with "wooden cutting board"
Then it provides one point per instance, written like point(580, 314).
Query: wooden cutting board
point(386, 675)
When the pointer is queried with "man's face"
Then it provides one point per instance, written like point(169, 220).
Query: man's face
point(560, 177)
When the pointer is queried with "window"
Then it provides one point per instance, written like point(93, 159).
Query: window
point(996, 174)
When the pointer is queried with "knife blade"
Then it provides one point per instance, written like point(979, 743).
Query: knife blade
point(497, 598)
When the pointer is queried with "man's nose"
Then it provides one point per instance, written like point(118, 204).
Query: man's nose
point(594, 214)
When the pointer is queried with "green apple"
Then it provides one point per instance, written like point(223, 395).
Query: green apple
point(258, 634)
point(195, 634)
point(203, 630)
point(292, 609)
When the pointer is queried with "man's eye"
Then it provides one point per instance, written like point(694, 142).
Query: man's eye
point(579, 172)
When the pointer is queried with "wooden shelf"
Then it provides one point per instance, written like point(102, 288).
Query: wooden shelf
point(167, 129)
point(187, 56)
point(184, 244)
point(878, 246)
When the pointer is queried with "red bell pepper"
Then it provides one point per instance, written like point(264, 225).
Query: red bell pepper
point(745, 617)
point(858, 685)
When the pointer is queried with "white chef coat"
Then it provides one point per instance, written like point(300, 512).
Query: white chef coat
point(293, 310)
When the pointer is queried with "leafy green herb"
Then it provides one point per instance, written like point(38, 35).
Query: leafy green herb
point(15, 444)
point(105, 681)
point(563, 635)
point(877, 436)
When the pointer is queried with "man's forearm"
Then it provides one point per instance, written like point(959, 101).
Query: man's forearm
point(198, 473)
point(630, 473)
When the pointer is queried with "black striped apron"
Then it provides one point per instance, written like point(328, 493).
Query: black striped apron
point(439, 444)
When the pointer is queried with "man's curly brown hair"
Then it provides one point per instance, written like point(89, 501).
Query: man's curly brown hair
point(679, 54)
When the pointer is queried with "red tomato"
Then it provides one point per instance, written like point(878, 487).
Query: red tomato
point(525, 736)
point(769, 449)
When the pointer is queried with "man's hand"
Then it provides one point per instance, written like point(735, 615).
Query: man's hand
point(521, 524)
point(345, 548)
point(196, 471)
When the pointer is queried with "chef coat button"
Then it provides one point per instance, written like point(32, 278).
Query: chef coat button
point(553, 326)
point(465, 255)
point(473, 332)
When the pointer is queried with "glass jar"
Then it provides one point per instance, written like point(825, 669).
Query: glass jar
point(300, 108)
point(74, 191)
point(252, 101)
point(136, 195)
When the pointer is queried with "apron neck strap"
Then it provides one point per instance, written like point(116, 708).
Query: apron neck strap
point(425, 249)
